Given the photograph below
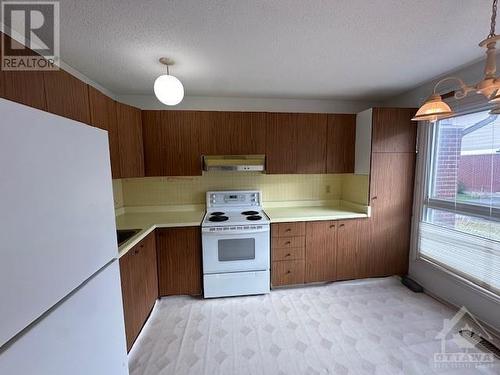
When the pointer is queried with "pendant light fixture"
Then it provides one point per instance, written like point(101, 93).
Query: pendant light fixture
point(435, 108)
point(168, 89)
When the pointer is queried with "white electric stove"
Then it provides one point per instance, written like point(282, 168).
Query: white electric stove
point(236, 245)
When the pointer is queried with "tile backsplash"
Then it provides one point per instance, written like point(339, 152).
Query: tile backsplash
point(158, 191)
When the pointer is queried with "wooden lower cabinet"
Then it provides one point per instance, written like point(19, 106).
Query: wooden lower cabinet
point(179, 260)
point(138, 272)
point(321, 251)
point(288, 272)
point(353, 249)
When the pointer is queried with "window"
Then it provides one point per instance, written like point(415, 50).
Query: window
point(460, 224)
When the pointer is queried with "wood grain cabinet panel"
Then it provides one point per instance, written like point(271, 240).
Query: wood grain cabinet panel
point(288, 253)
point(352, 257)
point(287, 242)
point(393, 130)
point(25, 87)
point(103, 116)
point(130, 144)
point(287, 272)
point(171, 142)
point(392, 180)
point(296, 143)
point(179, 261)
point(311, 142)
point(341, 142)
point(288, 229)
point(138, 273)
point(243, 133)
point(321, 251)
point(67, 96)
point(281, 138)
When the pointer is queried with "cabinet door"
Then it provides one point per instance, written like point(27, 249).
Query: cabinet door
point(179, 261)
point(67, 96)
point(393, 130)
point(150, 273)
point(391, 200)
point(341, 143)
point(233, 133)
point(171, 142)
point(130, 304)
point(321, 251)
point(296, 143)
point(310, 144)
point(281, 135)
point(25, 87)
point(130, 141)
point(103, 116)
point(350, 258)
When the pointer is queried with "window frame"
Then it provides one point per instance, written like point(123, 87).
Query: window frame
point(468, 209)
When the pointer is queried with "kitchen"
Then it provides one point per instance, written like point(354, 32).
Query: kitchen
point(231, 234)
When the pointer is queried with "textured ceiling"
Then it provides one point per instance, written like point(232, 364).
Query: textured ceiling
point(338, 49)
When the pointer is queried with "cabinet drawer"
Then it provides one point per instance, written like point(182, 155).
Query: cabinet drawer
point(293, 253)
point(288, 272)
point(287, 242)
point(289, 229)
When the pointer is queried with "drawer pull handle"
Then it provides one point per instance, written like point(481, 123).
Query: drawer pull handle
point(288, 272)
point(136, 251)
point(288, 230)
point(374, 198)
point(341, 225)
point(332, 226)
point(287, 255)
point(287, 243)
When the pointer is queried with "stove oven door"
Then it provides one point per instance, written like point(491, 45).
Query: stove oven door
point(226, 251)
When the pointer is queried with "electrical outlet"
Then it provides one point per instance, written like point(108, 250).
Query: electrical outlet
point(327, 189)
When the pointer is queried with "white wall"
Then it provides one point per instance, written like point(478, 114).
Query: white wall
point(414, 98)
point(209, 103)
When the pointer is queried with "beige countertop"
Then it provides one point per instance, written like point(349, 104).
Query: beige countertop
point(148, 219)
point(311, 213)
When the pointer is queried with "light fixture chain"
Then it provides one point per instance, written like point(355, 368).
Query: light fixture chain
point(493, 19)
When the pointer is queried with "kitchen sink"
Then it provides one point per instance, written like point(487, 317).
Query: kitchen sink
point(123, 235)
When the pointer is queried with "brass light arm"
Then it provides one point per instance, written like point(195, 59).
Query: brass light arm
point(460, 93)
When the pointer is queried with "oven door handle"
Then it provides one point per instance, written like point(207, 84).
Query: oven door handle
point(232, 232)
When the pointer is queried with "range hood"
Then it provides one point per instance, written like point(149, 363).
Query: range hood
point(234, 163)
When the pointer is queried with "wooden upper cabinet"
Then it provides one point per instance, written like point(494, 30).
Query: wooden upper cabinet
point(67, 96)
point(311, 142)
point(341, 142)
point(25, 87)
point(321, 251)
point(171, 142)
point(129, 126)
point(233, 133)
point(393, 130)
point(103, 116)
point(281, 135)
point(296, 143)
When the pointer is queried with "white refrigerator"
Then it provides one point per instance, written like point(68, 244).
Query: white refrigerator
point(60, 296)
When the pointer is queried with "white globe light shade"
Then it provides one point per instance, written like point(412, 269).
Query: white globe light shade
point(168, 89)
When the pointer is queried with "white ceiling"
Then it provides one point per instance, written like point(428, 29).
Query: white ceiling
point(322, 49)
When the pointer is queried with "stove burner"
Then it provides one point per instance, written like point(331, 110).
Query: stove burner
point(249, 213)
point(218, 218)
point(254, 217)
point(217, 213)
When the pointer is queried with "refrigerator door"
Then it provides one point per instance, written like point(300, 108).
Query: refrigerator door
point(57, 224)
point(82, 335)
